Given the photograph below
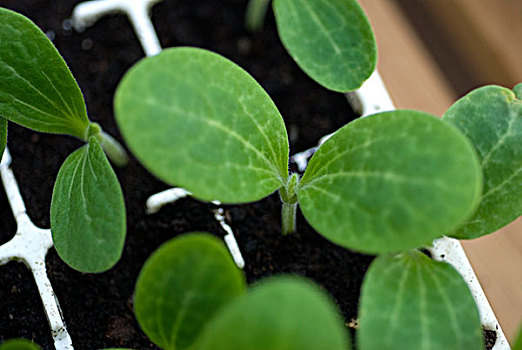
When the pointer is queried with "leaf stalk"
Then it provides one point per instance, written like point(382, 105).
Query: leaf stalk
point(255, 14)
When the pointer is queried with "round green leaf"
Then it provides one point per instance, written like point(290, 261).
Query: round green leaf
point(331, 40)
point(19, 344)
point(278, 314)
point(491, 117)
point(391, 182)
point(410, 302)
point(182, 285)
point(37, 89)
point(197, 120)
point(88, 220)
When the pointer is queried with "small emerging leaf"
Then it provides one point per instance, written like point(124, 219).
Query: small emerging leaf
point(37, 89)
point(278, 314)
point(410, 302)
point(19, 344)
point(3, 135)
point(331, 40)
point(197, 120)
point(87, 211)
point(491, 117)
point(182, 285)
point(391, 182)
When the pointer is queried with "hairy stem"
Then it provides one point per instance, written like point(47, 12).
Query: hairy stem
point(288, 218)
point(288, 194)
point(255, 14)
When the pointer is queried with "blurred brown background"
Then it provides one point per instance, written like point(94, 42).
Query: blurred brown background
point(431, 52)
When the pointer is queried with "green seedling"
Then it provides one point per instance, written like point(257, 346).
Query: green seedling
point(331, 40)
point(190, 295)
point(38, 91)
point(429, 300)
point(197, 120)
point(386, 183)
point(19, 344)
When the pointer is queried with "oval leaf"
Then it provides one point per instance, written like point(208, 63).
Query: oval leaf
point(182, 285)
point(391, 182)
point(278, 314)
point(19, 344)
point(410, 302)
point(37, 89)
point(197, 120)
point(491, 117)
point(332, 41)
point(88, 221)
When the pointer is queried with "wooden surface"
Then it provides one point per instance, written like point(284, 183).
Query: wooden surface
point(479, 42)
point(415, 80)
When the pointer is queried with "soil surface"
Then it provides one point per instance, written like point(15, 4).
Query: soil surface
point(98, 307)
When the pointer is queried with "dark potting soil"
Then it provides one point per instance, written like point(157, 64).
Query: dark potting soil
point(490, 338)
point(98, 307)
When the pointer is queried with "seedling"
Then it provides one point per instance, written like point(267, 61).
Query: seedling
point(190, 295)
point(203, 123)
point(38, 91)
point(386, 183)
point(332, 41)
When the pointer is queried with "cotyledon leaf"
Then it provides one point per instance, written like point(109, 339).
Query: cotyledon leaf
point(410, 302)
point(281, 313)
point(182, 285)
point(391, 182)
point(19, 344)
point(88, 220)
point(331, 40)
point(197, 120)
point(491, 117)
point(37, 90)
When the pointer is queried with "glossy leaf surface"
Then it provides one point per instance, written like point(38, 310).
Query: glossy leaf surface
point(391, 182)
point(491, 117)
point(410, 302)
point(278, 314)
point(197, 120)
point(331, 40)
point(88, 220)
point(182, 285)
point(19, 344)
point(37, 89)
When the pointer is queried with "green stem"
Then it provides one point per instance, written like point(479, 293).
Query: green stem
point(288, 194)
point(288, 218)
point(255, 14)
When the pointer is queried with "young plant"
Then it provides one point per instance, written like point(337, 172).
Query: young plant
point(386, 183)
point(332, 41)
point(197, 120)
point(190, 295)
point(38, 91)
point(427, 298)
